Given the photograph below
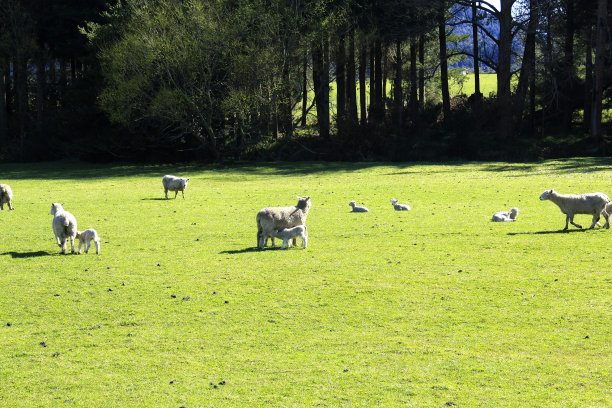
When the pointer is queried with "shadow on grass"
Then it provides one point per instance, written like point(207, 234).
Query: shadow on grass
point(240, 251)
point(32, 254)
point(554, 232)
point(154, 199)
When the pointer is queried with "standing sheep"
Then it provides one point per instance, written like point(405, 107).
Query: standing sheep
point(176, 184)
point(572, 204)
point(287, 234)
point(357, 208)
point(64, 226)
point(502, 216)
point(399, 207)
point(276, 218)
point(6, 196)
point(86, 237)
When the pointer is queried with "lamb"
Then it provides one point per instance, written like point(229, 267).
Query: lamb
point(270, 219)
point(287, 234)
point(86, 237)
point(357, 208)
point(6, 196)
point(64, 226)
point(572, 204)
point(502, 216)
point(399, 207)
point(176, 184)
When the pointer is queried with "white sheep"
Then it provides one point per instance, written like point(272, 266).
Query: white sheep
point(287, 234)
point(86, 237)
point(399, 207)
point(64, 226)
point(572, 204)
point(357, 208)
point(502, 216)
point(6, 196)
point(174, 183)
point(276, 218)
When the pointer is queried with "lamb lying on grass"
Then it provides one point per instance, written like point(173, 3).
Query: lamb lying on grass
point(270, 219)
point(502, 216)
point(287, 234)
point(399, 207)
point(86, 237)
point(176, 184)
point(64, 226)
point(357, 208)
point(572, 204)
point(6, 196)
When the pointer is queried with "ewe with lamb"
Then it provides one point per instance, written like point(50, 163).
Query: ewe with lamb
point(271, 219)
point(64, 226)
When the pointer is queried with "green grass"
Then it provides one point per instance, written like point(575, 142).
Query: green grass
point(387, 308)
point(488, 85)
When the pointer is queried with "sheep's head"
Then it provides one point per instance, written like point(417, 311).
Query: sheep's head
point(55, 207)
point(514, 212)
point(304, 203)
point(184, 182)
point(393, 201)
point(352, 204)
point(546, 195)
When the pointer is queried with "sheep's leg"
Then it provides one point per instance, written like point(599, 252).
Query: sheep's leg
point(607, 218)
point(80, 242)
point(63, 245)
point(595, 221)
point(87, 246)
point(10, 204)
point(304, 241)
point(1, 206)
point(166, 191)
point(294, 241)
point(175, 194)
point(72, 244)
point(284, 244)
point(183, 191)
point(571, 220)
point(97, 247)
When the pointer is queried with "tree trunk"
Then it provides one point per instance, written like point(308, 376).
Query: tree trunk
point(504, 96)
point(414, 103)
point(475, 50)
point(528, 61)
point(378, 79)
point(588, 79)
point(398, 97)
point(40, 92)
point(373, 84)
point(567, 81)
point(320, 76)
point(351, 86)
point(304, 89)
point(600, 55)
point(443, 61)
point(422, 71)
point(363, 58)
point(3, 107)
point(20, 70)
point(341, 86)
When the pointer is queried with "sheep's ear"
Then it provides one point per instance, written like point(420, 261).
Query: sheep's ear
point(63, 203)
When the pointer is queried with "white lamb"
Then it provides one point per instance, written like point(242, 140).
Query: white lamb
point(287, 234)
point(64, 226)
point(399, 207)
point(86, 237)
point(176, 184)
point(6, 196)
point(357, 208)
point(572, 204)
point(502, 216)
point(271, 219)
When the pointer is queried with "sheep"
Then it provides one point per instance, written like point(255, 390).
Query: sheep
point(270, 219)
point(572, 204)
point(64, 226)
point(287, 234)
point(399, 207)
point(176, 184)
point(6, 196)
point(502, 216)
point(86, 237)
point(357, 208)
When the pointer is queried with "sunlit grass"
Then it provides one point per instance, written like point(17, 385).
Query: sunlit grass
point(418, 308)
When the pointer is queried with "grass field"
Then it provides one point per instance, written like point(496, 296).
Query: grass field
point(432, 307)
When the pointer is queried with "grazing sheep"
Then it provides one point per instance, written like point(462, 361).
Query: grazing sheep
point(357, 208)
point(6, 196)
point(64, 226)
point(502, 216)
point(287, 234)
point(275, 218)
point(399, 207)
point(572, 204)
point(86, 237)
point(176, 184)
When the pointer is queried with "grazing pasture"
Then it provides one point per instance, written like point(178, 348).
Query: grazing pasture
point(437, 306)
